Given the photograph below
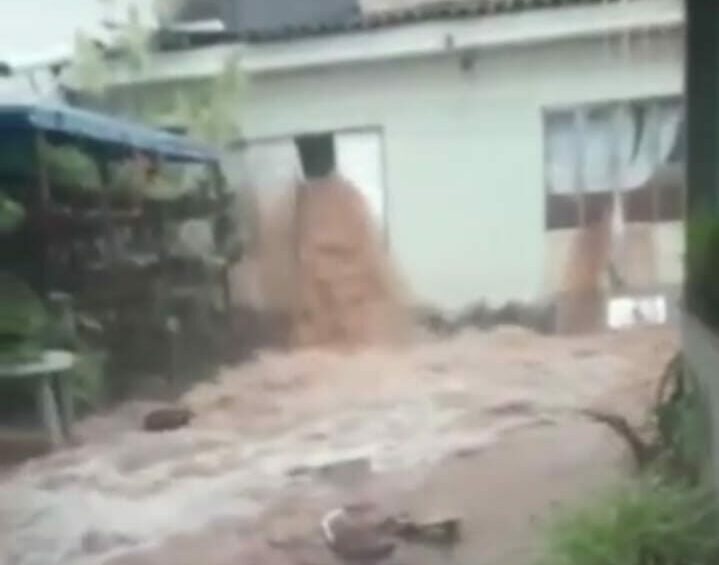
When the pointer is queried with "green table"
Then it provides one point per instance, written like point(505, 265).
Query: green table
point(51, 377)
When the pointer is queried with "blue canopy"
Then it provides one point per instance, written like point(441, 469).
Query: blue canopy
point(103, 130)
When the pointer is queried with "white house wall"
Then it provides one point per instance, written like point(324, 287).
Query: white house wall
point(464, 151)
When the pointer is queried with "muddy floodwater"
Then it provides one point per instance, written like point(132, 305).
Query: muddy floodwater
point(237, 485)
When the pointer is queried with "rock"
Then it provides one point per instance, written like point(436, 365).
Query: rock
point(357, 532)
point(437, 531)
point(164, 419)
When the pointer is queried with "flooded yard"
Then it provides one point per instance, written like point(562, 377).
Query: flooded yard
point(484, 426)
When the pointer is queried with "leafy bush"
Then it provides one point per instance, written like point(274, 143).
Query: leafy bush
point(69, 167)
point(650, 523)
point(12, 214)
point(683, 421)
point(702, 262)
point(127, 178)
point(27, 329)
point(22, 315)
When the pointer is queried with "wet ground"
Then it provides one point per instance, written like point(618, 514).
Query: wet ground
point(483, 426)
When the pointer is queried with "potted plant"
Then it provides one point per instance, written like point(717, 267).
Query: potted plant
point(127, 183)
point(73, 173)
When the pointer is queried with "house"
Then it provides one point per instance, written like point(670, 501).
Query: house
point(514, 150)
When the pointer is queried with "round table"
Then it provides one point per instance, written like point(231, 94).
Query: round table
point(50, 374)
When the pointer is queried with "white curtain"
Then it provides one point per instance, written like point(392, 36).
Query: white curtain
point(618, 147)
point(645, 141)
point(598, 146)
point(562, 156)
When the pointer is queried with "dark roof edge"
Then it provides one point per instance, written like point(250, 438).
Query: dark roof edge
point(439, 11)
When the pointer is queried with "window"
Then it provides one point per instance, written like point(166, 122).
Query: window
point(620, 158)
point(317, 154)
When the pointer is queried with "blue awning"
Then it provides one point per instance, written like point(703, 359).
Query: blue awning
point(104, 130)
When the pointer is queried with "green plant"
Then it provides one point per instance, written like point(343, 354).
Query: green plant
point(62, 331)
point(682, 418)
point(652, 522)
point(127, 178)
point(702, 265)
point(71, 168)
point(205, 112)
point(23, 320)
point(88, 71)
point(166, 184)
point(12, 214)
point(211, 118)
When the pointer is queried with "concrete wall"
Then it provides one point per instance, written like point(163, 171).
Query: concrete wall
point(464, 148)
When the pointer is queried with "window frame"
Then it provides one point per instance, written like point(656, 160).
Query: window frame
point(241, 143)
point(578, 110)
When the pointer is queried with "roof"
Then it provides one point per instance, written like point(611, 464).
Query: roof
point(268, 20)
point(194, 10)
point(103, 130)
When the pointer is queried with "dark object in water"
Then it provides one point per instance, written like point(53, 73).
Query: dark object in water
point(165, 419)
point(443, 531)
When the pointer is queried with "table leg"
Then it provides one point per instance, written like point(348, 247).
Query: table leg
point(67, 407)
point(49, 411)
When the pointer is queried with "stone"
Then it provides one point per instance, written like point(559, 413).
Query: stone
point(437, 531)
point(357, 532)
point(165, 419)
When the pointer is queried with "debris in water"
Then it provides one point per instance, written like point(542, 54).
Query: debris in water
point(165, 419)
point(258, 420)
point(437, 531)
point(357, 532)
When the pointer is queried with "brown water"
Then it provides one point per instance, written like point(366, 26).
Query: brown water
point(324, 270)
point(405, 410)
point(347, 292)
